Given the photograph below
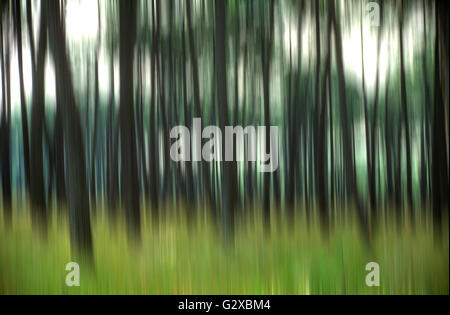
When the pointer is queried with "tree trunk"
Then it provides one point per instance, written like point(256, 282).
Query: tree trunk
point(197, 108)
point(153, 130)
point(23, 104)
point(78, 194)
point(128, 155)
point(266, 53)
point(37, 188)
point(5, 127)
point(439, 153)
point(94, 140)
point(348, 155)
point(405, 115)
point(226, 168)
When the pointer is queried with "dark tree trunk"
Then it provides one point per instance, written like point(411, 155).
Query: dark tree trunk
point(388, 145)
point(319, 130)
point(59, 152)
point(332, 159)
point(266, 53)
point(187, 116)
point(162, 110)
point(227, 168)
point(153, 130)
point(405, 116)
point(37, 188)
point(23, 104)
point(5, 125)
point(439, 153)
point(113, 167)
point(197, 108)
point(94, 140)
point(77, 189)
point(128, 155)
point(425, 133)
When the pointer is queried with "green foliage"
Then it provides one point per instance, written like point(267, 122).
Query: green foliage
point(179, 257)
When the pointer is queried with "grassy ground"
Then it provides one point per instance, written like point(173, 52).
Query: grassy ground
point(176, 258)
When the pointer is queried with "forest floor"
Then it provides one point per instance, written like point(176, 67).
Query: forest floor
point(180, 258)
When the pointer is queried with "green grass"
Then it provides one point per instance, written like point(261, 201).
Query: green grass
point(177, 258)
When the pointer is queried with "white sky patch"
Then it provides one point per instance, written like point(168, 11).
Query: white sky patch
point(81, 19)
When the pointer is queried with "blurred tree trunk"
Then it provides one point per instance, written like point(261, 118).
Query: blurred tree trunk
point(319, 126)
point(153, 129)
point(348, 152)
point(197, 107)
point(37, 188)
point(405, 114)
point(369, 147)
point(128, 155)
point(113, 167)
point(58, 151)
point(371, 127)
point(397, 170)
point(187, 116)
point(294, 129)
point(425, 128)
point(388, 143)
point(266, 53)
point(234, 176)
point(321, 133)
point(94, 140)
point(5, 123)
point(439, 153)
point(23, 104)
point(331, 126)
point(77, 189)
point(140, 120)
point(162, 110)
point(227, 169)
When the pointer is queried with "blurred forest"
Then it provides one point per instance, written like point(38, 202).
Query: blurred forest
point(91, 89)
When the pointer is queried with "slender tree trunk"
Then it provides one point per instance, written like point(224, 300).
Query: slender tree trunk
point(425, 150)
point(5, 126)
point(197, 109)
point(388, 144)
point(187, 117)
point(319, 130)
point(226, 168)
point(113, 167)
point(266, 53)
point(332, 159)
point(58, 150)
point(37, 188)
point(94, 140)
point(153, 130)
point(366, 118)
point(405, 114)
point(128, 155)
point(23, 104)
point(439, 153)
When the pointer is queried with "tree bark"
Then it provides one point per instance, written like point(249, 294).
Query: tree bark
point(37, 188)
point(23, 104)
point(405, 114)
point(128, 155)
point(78, 194)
